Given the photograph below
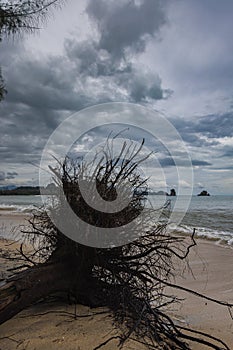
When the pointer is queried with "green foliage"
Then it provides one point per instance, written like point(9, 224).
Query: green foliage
point(18, 16)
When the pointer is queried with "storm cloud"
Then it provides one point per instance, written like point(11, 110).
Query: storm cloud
point(42, 91)
point(126, 24)
point(205, 130)
point(171, 56)
point(7, 176)
point(171, 162)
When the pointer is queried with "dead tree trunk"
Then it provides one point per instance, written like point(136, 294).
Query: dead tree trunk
point(30, 286)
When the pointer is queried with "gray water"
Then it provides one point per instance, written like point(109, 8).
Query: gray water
point(211, 216)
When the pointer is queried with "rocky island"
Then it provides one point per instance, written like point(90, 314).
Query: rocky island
point(172, 192)
point(204, 193)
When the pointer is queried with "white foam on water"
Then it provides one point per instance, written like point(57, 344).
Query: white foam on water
point(207, 233)
point(16, 208)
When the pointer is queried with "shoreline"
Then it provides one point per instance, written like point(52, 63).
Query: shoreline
point(44, 326)
point(10, 220)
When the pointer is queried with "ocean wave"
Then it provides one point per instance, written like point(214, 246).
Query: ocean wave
point(207, 233)
point(16, 208)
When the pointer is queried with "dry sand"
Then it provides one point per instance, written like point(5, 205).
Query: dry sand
point(53, 326)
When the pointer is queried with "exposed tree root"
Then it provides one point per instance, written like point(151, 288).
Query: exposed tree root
point(129, 279)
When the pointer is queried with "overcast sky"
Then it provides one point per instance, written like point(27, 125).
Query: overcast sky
point(173, 56)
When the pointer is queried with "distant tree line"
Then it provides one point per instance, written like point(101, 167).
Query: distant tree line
point(28, 190)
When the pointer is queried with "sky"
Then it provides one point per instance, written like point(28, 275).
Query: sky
point(173, 56)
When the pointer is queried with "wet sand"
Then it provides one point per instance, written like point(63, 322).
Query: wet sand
point(12, 223)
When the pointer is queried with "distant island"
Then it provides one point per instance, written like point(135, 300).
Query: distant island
point(163, 193)
point(172, 192)
point(204, 193)
point(159, 193)
point(27, 190)
point(51, 189)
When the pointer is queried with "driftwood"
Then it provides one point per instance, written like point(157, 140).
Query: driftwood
point(129, 279)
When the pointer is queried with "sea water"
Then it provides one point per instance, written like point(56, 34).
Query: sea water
point(212, 216)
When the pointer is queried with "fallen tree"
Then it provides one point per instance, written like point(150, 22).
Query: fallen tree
point(129, 279)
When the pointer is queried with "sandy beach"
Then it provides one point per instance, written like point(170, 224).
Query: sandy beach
point(62, 326)
point(12, 223)
point(211, 274)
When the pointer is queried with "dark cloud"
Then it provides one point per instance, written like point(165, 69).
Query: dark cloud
point(24, 132)
point(104, 78)
point(205, 130)
point(117, 75)
point(43, 91)
point(41, 84)
point(196, 162)
point(11, 175)
point(90, 72)
point(227, 167)
point(169, 162)
point(215, 126)
point(7, 176)
point(126, 24)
